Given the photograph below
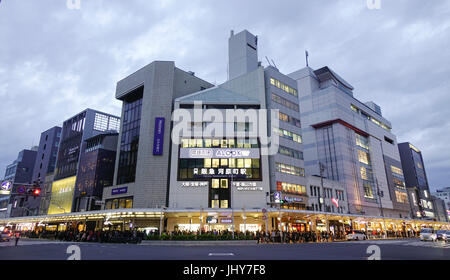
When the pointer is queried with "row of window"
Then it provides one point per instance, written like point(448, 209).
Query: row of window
point(119, 203)
point(285, 102)
point(217, 163)
point(290, 169)
point(288, 135)
point(328, 193)
point(219, 143)
point(291, 188)
point(290, 152)
point(283, 86)
point(290, 120)
point(365, 115)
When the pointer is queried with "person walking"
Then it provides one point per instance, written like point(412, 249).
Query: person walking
point(17, 235)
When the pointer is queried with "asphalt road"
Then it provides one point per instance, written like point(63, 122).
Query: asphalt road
point(411, 249)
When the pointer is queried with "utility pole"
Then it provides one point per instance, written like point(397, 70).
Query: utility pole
point(379, 193)
point(322, 169)
point(231, 204)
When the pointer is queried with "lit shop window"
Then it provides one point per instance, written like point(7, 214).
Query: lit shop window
point(401, 197)
point(215, 203)
point(283, 86)
point(215, 183)
point(219, 143)
point(224, 204)
point(291, 188)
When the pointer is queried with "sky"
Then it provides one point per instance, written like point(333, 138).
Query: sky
point(56, 60)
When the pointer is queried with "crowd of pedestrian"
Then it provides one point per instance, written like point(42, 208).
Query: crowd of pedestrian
point(110, 236)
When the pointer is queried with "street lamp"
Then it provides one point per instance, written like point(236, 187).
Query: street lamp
point(161, 220)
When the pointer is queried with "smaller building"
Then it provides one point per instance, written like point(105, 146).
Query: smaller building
point(439, 209)
point(416, 181)
point(444, 194)
point(19, 173)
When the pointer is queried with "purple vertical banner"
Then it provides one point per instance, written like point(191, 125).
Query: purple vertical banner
point(158, 139)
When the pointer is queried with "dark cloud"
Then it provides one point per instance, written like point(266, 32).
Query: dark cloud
point(55, 62)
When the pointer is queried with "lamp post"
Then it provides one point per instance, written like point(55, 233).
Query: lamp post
point(380, 194)
point(231, 204)
point(161, 219)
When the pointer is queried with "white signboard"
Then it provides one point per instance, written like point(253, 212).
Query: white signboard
point(194, 184)
point(218, 153)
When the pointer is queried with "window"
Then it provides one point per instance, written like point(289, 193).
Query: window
point(282, 101)
point(290, 120)
point(368, 190)
point(288, 135)
point(129, 143)
point(224, 204)
point(289, 169)
point(215, 183)
point(290, 152)
point(363, 157)
point(396, 170)
point(401, 197)
point(362, 141)
point(283, 86)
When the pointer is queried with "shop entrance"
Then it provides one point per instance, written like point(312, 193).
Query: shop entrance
point(219, 193)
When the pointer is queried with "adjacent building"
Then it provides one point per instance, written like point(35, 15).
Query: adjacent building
point(75, 132)
point(444, 194)
point(416, 181)
point(96, 171)
point(19, 173)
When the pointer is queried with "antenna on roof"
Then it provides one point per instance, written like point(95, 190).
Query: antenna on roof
point(307, 55)
point(274, 63)
point(268, 61)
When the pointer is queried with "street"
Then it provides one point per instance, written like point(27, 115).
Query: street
point(406, 249)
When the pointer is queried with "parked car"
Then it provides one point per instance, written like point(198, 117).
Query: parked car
point(442, 235)
point(356, 235)
point(428, 234)
point(6, 235)
point(448, 235)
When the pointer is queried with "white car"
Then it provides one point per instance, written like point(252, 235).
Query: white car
point(428, 234)
point(356, 235)
point(6, 235)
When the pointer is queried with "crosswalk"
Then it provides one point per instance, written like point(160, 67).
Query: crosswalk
point(416, 243)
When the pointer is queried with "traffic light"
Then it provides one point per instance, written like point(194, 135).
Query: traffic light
point(36, 191)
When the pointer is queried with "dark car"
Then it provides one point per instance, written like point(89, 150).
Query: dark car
point(442, 235)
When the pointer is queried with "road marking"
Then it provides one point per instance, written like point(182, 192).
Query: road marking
point(220, 254)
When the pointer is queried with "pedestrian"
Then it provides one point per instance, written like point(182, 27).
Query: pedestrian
point(17, 237)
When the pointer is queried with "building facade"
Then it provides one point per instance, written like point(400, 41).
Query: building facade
point(416, 181)
point(444, 194)
point(141, 176)
point(96, 171)
point(75, 132)
point(352, 141)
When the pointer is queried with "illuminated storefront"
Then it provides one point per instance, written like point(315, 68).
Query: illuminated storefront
point(62, 196)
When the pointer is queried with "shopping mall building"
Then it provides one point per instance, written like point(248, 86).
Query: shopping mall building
point(192, 155)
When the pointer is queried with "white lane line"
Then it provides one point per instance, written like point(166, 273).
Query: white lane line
point(220, 254)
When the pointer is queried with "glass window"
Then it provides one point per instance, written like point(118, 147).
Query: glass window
point(240, 163)
point(232, 162)
point(207, 143)
point(207, 163)
point(215, 203)
point(363, 157)
point(224, 183)
point(215, 183)
point(215, 163)
point(224, 204)
point(247, 163)
point(224, 162)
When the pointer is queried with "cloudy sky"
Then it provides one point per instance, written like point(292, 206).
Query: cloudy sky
point(56, 61)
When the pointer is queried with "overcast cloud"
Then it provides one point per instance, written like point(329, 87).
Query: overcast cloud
point(55, 62)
